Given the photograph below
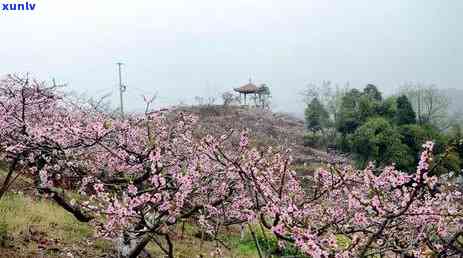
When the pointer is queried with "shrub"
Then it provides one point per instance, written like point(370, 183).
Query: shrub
point(377, 140)
point(313, 139)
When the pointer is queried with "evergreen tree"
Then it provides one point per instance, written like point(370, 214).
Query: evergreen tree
point(349, 115)
point(264, 96)
point(368, 107)
point(372, 92)
point(316, 116)
point(405, 114)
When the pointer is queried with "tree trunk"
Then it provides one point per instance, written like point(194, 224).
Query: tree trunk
point(9, 178)
point(130, 246)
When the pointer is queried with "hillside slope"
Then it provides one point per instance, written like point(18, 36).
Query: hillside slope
point(265, 127)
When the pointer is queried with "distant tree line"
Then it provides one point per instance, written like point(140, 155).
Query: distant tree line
point(387, 130)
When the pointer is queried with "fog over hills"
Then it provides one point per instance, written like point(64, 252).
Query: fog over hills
point(182, 49)
point(455, 97)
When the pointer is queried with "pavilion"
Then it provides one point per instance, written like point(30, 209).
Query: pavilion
point(247, 89)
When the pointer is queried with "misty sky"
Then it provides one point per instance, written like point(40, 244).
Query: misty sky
point(183, 49)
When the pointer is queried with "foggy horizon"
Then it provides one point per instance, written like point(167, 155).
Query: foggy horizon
point(182, 49)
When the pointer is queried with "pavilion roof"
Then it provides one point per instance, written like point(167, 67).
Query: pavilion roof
point(247, 88)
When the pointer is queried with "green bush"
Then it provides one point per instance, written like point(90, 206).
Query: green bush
point(270, 246)
point(319, 139)
point(313, 139)
point(378, 140)
point(344, 143)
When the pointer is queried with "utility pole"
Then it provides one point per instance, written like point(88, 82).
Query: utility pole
point(122, 88)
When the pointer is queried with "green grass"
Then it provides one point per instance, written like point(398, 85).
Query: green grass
point(268, 243)
point(21, 213)
point(245, 247)
point(31, 225)
point(192, 246)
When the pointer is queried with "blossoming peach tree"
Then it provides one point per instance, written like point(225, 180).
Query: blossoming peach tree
point(138, 177)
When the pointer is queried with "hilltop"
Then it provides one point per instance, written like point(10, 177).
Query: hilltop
point(266, 128)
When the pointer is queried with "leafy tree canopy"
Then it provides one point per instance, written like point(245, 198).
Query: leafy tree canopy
point(378, 140)
point(316, 116)
point(372, 92)
point(349, 116)
point(404, 113)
